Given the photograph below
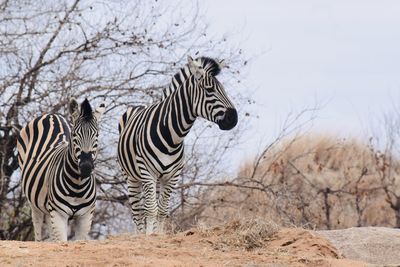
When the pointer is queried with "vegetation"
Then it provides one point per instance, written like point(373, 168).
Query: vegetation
point(122, 52)
point(317, 182)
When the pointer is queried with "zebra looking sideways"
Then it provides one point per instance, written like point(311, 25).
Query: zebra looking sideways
point(56, 167)
point(150, 148)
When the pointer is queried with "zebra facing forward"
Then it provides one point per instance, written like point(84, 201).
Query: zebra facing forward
point(56, 166)
point(150, 148)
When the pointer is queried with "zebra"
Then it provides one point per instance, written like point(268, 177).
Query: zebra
point(56, 167)
point(150, 147)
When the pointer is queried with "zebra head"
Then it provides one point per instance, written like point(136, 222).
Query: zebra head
point(209, 98)
point(84, 134)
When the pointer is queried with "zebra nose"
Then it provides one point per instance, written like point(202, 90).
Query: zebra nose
point(86, 164)
point(230, 119)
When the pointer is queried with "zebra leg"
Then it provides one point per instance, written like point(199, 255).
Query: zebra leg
point(83, 224)
point(59, 224)
point(135, 200)
point(150, 201)
point(37, 219)
point(166, 188)
point(47, 228)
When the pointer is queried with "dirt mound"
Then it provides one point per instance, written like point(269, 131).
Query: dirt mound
point(375, 245)
point(236, 244)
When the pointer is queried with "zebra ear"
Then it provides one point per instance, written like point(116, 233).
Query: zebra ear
point(194, 68)
point(73, 107)
point(99, 111)
point(222, 64)
point(190, 60)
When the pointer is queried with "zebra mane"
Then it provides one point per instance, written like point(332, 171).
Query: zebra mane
point(86, 110)
point(208, 64)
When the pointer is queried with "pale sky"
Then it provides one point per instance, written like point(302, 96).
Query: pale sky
point(345, 54)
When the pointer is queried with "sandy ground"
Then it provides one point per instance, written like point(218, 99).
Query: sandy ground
point(287, 247)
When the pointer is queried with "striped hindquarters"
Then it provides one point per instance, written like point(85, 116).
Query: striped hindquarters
point(126, 116)
point(38, 143)
point(127, 139)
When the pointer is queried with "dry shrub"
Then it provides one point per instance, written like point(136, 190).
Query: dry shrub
point(244, 233)
point(251, 234)
point(317, 182)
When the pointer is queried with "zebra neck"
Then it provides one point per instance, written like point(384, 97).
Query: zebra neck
point(177, 81)
point(71, 165)
point(177, 116)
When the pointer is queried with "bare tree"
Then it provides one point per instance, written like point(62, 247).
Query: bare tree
point(387, 161)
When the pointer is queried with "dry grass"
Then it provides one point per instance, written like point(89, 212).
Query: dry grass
point(248, 234)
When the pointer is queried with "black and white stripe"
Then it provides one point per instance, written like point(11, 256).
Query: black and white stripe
point(56, 165)
point(150, 148)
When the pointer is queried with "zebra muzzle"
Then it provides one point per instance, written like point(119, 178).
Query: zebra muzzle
point(86, 164)
point(230, 119)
